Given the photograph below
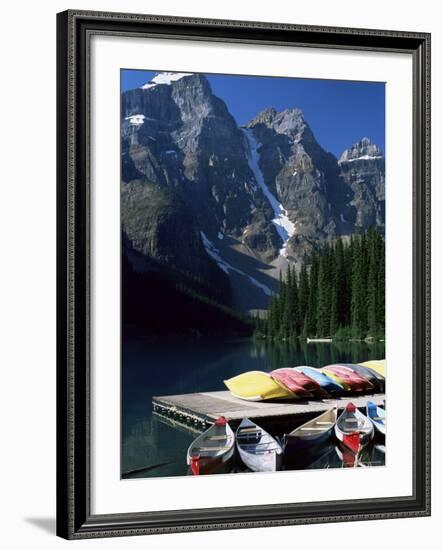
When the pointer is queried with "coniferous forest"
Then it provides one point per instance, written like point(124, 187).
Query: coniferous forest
point(339, 293)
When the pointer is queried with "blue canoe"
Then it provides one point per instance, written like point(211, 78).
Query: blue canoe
point(326, 382)
point(377, 416)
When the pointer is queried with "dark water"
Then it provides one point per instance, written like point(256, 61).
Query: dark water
point(158, 448)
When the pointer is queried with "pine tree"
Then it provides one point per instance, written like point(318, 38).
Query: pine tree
point(334, 304)
point(324, 293)
point(357, 284)
point(372, 281)
point(309, 328)
point(341, 284)
point(341, 292)
point(380, 285)
point(303, 294)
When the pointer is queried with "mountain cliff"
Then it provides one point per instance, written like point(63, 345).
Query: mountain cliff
point(363, 169)
point(230, 206)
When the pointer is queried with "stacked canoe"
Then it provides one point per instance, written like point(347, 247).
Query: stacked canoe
point(305, 382)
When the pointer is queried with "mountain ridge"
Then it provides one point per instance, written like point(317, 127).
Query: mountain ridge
point(268, 186)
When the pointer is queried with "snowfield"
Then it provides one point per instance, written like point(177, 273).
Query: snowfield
point(285, 227)
point(226, 267)
point(164, 78)
point(363, 157)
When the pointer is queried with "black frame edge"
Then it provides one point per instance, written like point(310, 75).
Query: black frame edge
point(62, 287)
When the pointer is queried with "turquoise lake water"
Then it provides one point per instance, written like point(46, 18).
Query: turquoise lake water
point(174, 367)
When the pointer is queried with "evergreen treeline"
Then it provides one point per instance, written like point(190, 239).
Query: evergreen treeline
point(341, 294)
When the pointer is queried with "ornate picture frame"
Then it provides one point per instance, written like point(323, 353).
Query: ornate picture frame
point(75, 519)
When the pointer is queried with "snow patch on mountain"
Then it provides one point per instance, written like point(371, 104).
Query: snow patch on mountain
point(284, 226)
point(363, 157)
point(213, 252)
point(164, 78)
point(136, 120)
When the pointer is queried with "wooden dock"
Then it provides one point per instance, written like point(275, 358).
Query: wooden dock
point(201, 409)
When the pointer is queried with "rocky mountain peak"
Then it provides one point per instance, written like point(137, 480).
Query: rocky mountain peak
point(364, 149)
point(289, 122)
point(264, 193)
point(266, 117)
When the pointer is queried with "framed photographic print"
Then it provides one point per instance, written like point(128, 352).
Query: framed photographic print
point(243, 263)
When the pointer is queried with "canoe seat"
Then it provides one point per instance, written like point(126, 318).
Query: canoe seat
point(208, 449)
point(265, 443)
point(377, 418)
point(216, 437)
point(311, 429)
point(324, 423)
point(249, 430)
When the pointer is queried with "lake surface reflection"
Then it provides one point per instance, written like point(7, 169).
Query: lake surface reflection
point(152, 447)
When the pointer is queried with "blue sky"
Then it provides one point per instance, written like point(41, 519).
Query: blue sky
point(339, 112)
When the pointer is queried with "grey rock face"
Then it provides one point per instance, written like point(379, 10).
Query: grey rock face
point(158, 225)
point(189, 141)
point(362, 150)
point(363, 168)
point(187, 167)
point(304, 177)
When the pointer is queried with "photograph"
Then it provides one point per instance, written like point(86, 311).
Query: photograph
point(252, 273)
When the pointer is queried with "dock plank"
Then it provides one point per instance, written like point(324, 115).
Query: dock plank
point(207, 406)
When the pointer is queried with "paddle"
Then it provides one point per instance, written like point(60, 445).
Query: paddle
point(130, 473)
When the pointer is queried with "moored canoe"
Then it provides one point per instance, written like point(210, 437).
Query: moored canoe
point(259, 451)
point(353, 429)
point(311, 434)
point(377, 416)
point(211, 451)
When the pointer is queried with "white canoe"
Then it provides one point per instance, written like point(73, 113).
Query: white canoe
point(213, 449)
point(258, 449)
point(354, 429)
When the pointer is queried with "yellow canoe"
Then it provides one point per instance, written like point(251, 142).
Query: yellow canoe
point(257, 386)
point(336, 378)
point(377, 366)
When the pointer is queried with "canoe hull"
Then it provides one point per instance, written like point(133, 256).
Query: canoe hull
point(378, 418)
point(352, 381)
point(372, 376)
point(271, 462)
point(219, 465)
point(310, 436)
point(354, 438)
point(326, 383)
point(295, 383)
point(298, 444)
point(213, 450)
point(257, 386)
point(377, 366)
point(258, 450)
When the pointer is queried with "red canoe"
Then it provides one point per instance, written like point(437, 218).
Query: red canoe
point(357, 382)
point(298, 382)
